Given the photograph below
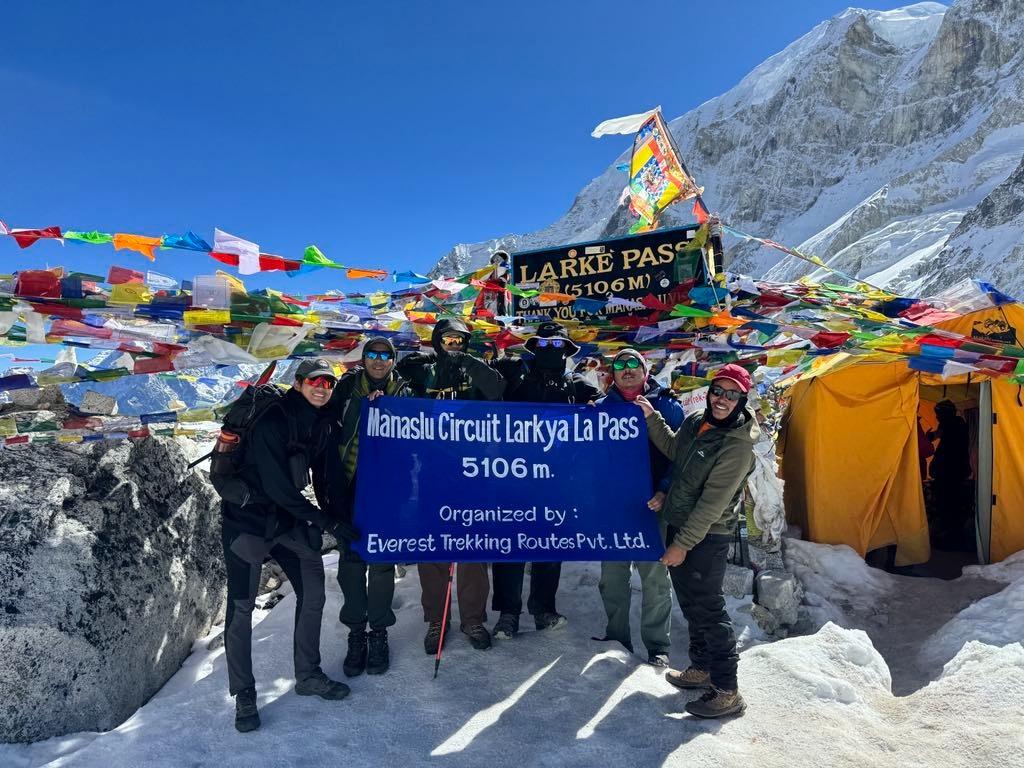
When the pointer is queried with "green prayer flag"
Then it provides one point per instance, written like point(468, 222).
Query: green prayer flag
point(96, 238)
point(682, 310)
point(313, 255)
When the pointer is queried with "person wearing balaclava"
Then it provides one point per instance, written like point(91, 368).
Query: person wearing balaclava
point(451, 373)
point(630, 380)
point(541, 379)
point(368, 589)
point(712, 455)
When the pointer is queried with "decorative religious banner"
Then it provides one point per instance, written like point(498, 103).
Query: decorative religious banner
point(466, 481)
point(657, 177)
point(608, 277)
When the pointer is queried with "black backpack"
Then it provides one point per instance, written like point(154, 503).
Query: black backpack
point(228, 453)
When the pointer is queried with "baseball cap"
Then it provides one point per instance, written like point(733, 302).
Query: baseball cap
point(312, 368)
point(736, 374)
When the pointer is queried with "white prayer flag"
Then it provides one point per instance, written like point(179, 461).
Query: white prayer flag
point(248, 253)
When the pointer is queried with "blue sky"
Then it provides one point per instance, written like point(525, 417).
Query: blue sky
point(384, 132)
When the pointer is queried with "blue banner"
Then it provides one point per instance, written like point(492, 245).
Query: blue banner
point(470, 481)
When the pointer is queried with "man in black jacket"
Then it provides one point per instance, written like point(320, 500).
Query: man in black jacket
point(543, 379)
point(450, 373)
point(279, 522)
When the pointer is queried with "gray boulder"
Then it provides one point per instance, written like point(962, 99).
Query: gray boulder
point(738, 582)
point(111, 565)
point(780, 593)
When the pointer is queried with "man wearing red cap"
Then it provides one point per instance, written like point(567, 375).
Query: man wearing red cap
point(712, 455)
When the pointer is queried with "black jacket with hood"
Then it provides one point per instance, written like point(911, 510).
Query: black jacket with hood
point(277, 468)
point(450, 375)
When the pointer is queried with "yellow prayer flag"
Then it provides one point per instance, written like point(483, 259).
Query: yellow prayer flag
point(781, 357)
point(234, 284)
point(196, 414)
point(46, 380)
point(130, 294)
point(8, 426)
point(207, 317)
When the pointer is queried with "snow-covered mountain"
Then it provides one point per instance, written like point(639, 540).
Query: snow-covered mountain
point(874, 141)
point(136, 395)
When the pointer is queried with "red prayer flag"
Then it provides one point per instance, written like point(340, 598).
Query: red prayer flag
point(27, 237)
point(828, 339)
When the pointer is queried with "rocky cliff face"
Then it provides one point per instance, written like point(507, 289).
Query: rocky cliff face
point(992, 233)
point(111, 568)
point(865, 142)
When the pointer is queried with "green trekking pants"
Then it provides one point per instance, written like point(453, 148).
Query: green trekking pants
point(656, 608)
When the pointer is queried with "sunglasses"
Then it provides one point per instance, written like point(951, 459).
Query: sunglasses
point(321, 382)
point(553, 343)
point(452, 341)
point(630, 362)
point(728, 394)
point(377, 354)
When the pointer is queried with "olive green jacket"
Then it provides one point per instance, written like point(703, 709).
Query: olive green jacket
point(708, 473)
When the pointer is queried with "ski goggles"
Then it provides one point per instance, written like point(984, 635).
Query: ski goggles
point(379, 354)
point(630, 362)
point(322, 382)
point(453, 341)
point(553, 343)
point(728, 394)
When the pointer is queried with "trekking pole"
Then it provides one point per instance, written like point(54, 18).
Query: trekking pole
point(444, 617)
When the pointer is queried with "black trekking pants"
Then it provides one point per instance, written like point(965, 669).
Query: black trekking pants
point(698, 586)
point(507, 594)
point(243, 557)
point(368, 589)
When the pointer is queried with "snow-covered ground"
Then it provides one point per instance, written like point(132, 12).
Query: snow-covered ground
point(562, 699)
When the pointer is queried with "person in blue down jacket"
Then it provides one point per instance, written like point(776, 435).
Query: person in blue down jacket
point(630, 380)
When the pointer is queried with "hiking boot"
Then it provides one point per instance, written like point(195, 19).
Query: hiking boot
point(319, 684)
point(717, 703)
point(691, 677)
point(478, 636)
point(380, 656)
point(355, 659)
point(550, 621)
point(247, 716)
point(506, 627)
point(433, 637)
point(657, 659)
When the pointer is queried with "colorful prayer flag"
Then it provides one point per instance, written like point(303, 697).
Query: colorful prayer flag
point(656, 175)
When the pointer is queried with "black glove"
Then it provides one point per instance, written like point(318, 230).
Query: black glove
point(454, 358)
point(345, 531)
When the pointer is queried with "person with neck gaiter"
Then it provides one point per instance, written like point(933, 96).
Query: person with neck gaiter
point(630, 380)
point(542, 379)
point(712, 455)
point(368, 589)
